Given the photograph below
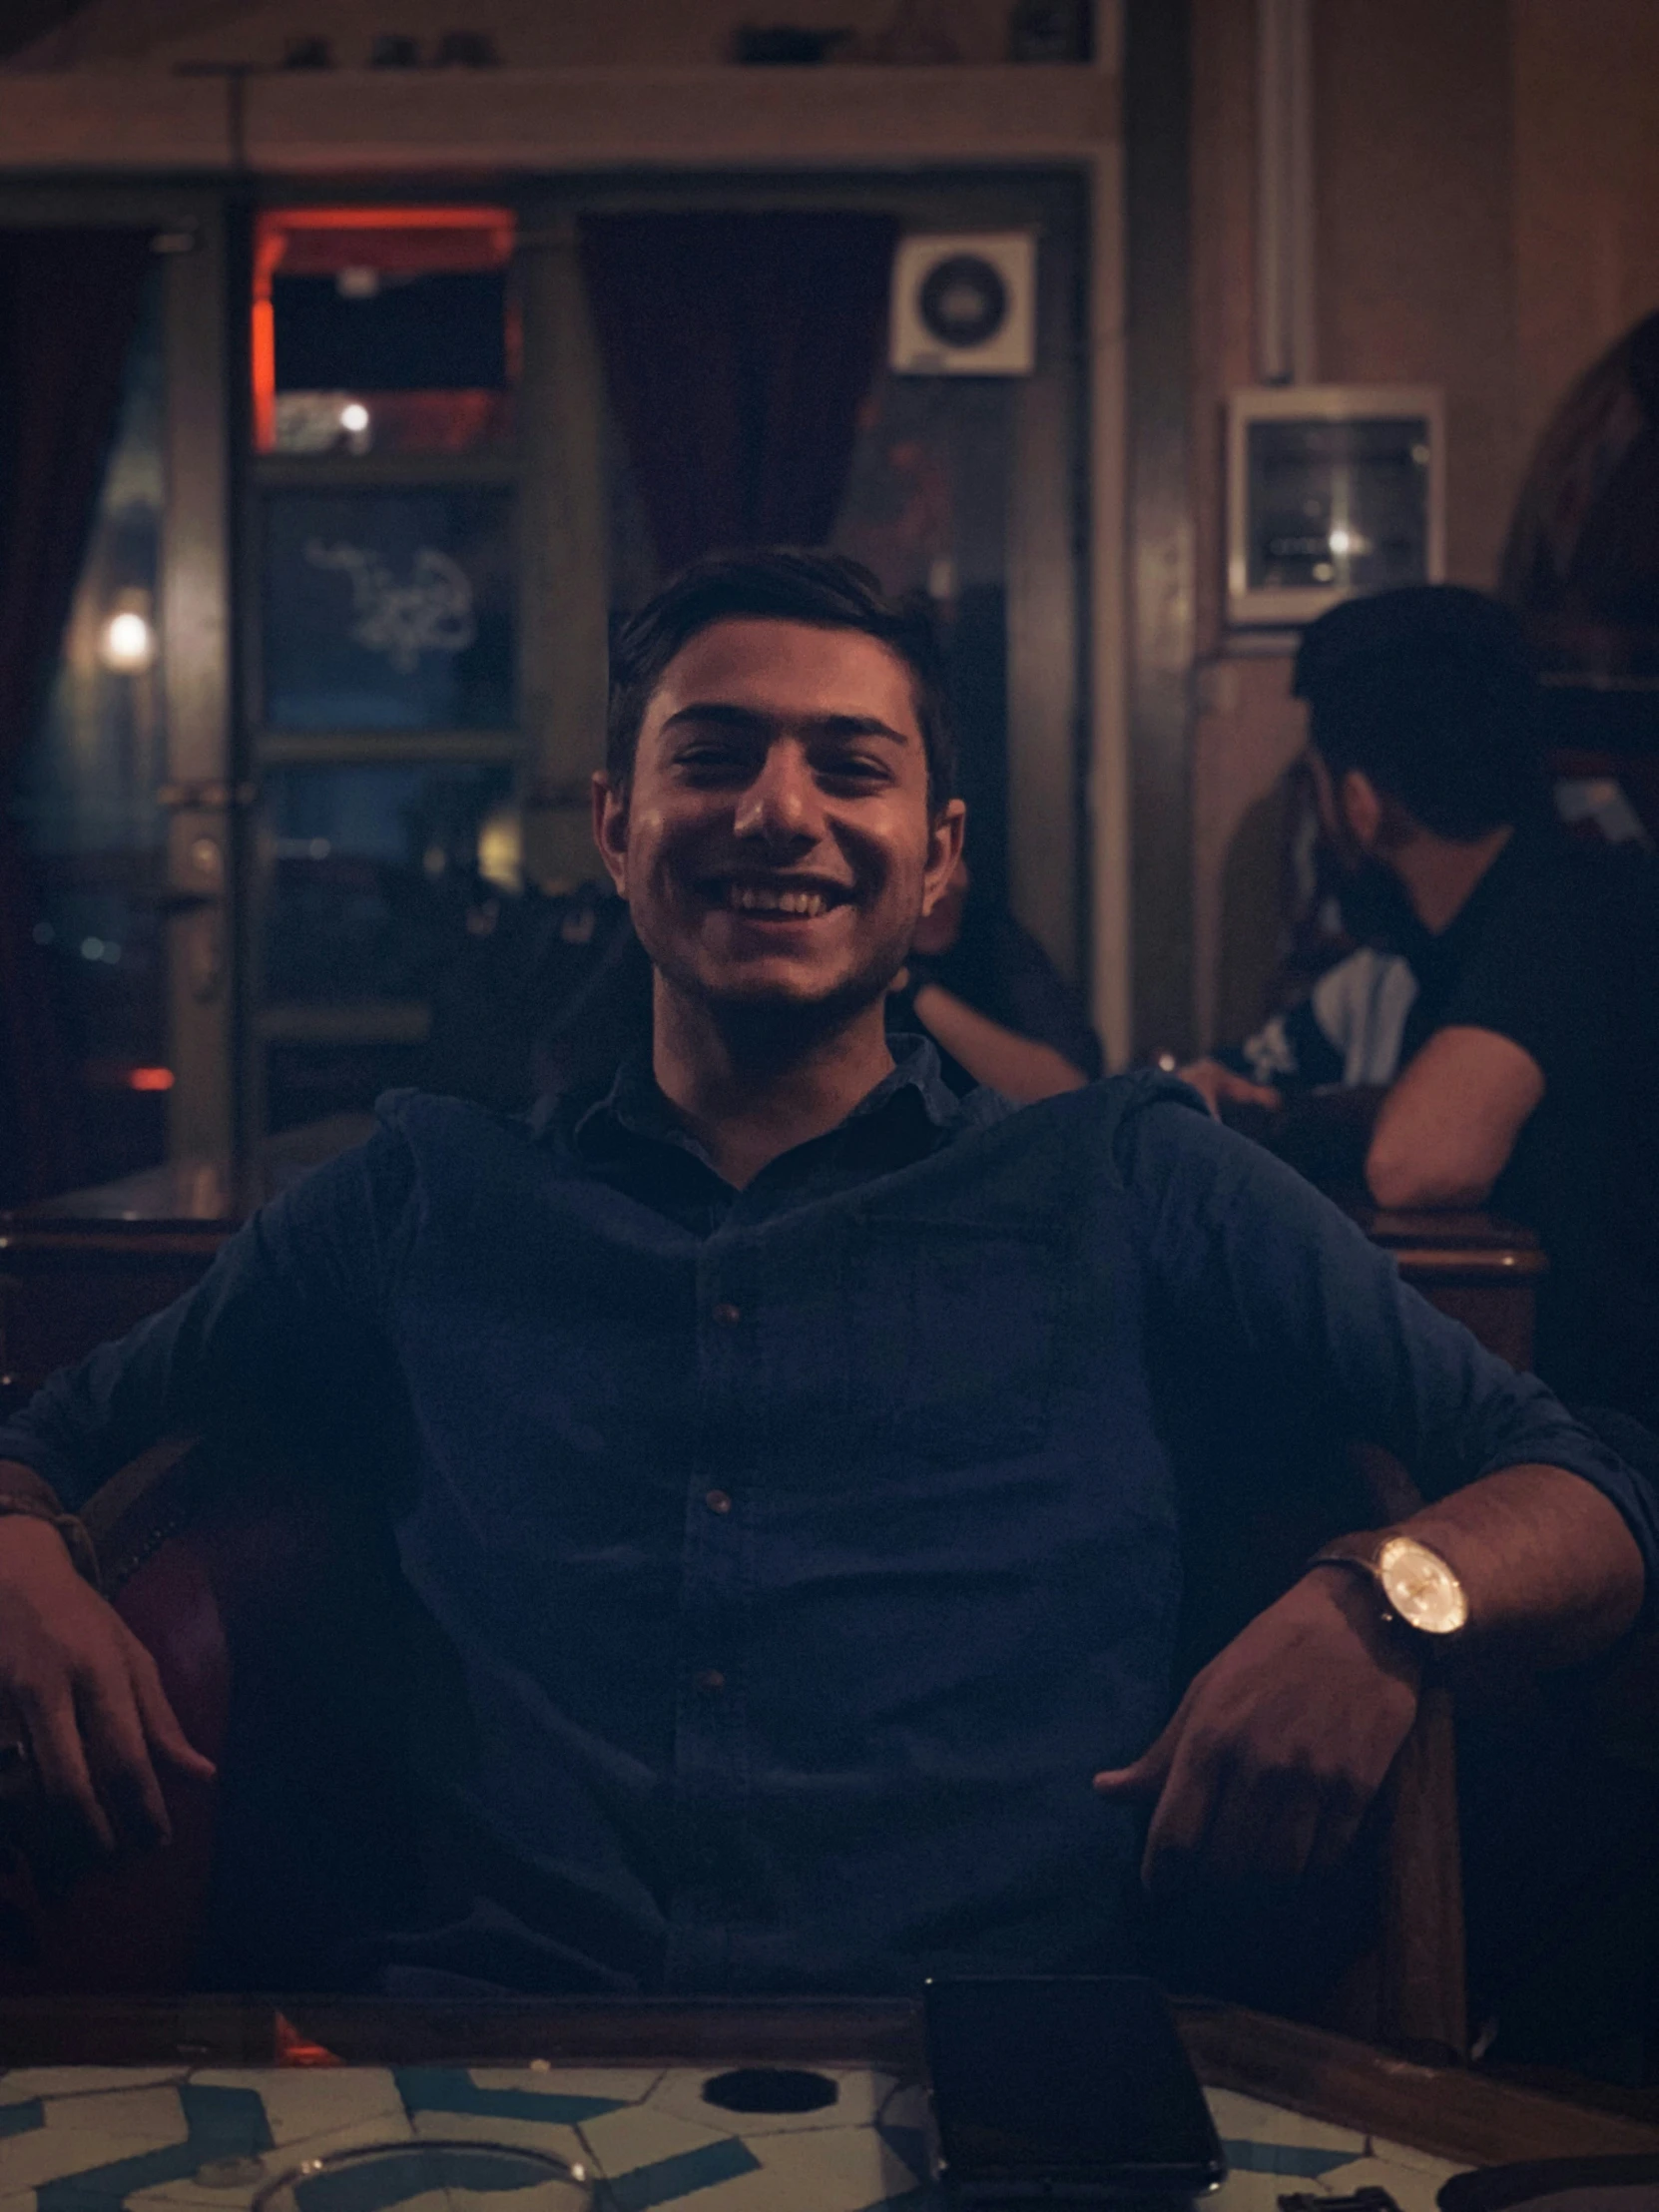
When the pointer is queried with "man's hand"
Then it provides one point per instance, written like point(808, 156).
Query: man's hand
point(1217, 1085)
point(82, 1697)
point(1279, 1745)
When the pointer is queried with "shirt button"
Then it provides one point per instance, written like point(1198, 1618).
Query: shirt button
point(727, 1315)
point(717, 1501)
point(710, 1681)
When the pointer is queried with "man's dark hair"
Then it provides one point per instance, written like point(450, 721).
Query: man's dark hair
point(786, 585)
point(1429, 691)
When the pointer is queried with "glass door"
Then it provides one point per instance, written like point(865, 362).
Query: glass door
point(384, 629)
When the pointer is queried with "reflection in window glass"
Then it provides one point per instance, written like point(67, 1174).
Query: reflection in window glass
point(1337, 505)
point(372, 870)
point(389, 331)
point(388, 610)
point(87, 796)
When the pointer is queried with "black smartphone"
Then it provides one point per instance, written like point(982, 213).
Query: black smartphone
point(1072, 2089)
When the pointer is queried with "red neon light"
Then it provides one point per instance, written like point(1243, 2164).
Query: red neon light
point(484, 239)
point(150, 1079)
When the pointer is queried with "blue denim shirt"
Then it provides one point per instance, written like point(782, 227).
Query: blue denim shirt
point(805, 1549)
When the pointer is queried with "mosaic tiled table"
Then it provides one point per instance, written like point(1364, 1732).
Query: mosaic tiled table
point(96, 2139)
point(1299, 2111)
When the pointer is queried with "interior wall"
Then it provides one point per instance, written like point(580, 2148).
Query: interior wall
point(1486, 220)
point(1415, 275)
point(1587, 188)
point(1244, 727)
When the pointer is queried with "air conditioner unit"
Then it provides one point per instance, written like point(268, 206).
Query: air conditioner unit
point(965, 305)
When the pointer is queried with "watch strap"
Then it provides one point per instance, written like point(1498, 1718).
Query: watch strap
point(1363, 1551)
point(1363, 1554)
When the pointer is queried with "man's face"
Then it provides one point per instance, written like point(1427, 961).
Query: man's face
point(776, 845)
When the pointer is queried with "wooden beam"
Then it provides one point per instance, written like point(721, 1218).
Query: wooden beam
point(1157, 96)
point(338, 121)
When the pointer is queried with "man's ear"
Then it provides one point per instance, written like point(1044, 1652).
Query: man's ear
point(945, 849)
point(1362, 808)
point(610, 828)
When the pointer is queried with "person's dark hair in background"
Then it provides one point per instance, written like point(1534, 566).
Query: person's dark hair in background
point(1430, 693)
point(781, 584)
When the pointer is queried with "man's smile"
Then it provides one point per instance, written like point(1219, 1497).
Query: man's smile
point(775, 898)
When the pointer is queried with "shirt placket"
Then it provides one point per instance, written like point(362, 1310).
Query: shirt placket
point(711, 1749)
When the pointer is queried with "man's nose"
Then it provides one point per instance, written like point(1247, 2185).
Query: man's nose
point(781, 804)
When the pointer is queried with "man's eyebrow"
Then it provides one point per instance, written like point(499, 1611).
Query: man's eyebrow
point(727, 713)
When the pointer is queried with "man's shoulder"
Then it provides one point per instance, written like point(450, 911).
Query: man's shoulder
point(1568, 926)
point(411, 1111)
point(1101, 1120)
point(1177, 1177)
point(422, 1144)
point(1577, 886)
point(435, 1130)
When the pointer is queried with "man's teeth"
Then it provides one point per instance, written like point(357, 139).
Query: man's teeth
point(753, 898)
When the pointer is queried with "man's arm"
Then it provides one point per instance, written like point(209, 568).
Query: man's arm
point(1019, 1067)
point(82, 1694)
point(1447, 1128)
point(1346, 1033)
point(276, 1336)
point(1280, 1743)
point(1539, 994)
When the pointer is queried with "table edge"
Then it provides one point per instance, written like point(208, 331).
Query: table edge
point(1462, 2116)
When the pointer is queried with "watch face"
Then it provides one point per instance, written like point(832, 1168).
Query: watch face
point(1422, 1588)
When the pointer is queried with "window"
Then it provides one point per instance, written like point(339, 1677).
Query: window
point(87, 796)
point(384, 664)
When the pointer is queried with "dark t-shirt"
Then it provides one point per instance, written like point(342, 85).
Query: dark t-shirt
point(1558, 951)
point(1556, 948)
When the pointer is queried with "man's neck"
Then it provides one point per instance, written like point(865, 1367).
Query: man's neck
point(749, 1097)
point(1440, 873)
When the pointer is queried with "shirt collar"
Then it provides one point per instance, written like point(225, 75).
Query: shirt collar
point(913, 1088)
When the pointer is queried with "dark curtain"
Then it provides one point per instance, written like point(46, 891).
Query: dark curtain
point(738, 349)
point(69, 306)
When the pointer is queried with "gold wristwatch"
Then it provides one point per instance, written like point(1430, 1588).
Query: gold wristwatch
point(1418, 1588)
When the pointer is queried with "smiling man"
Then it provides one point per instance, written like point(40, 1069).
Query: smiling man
point(790, 1452)
point(774, 813)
